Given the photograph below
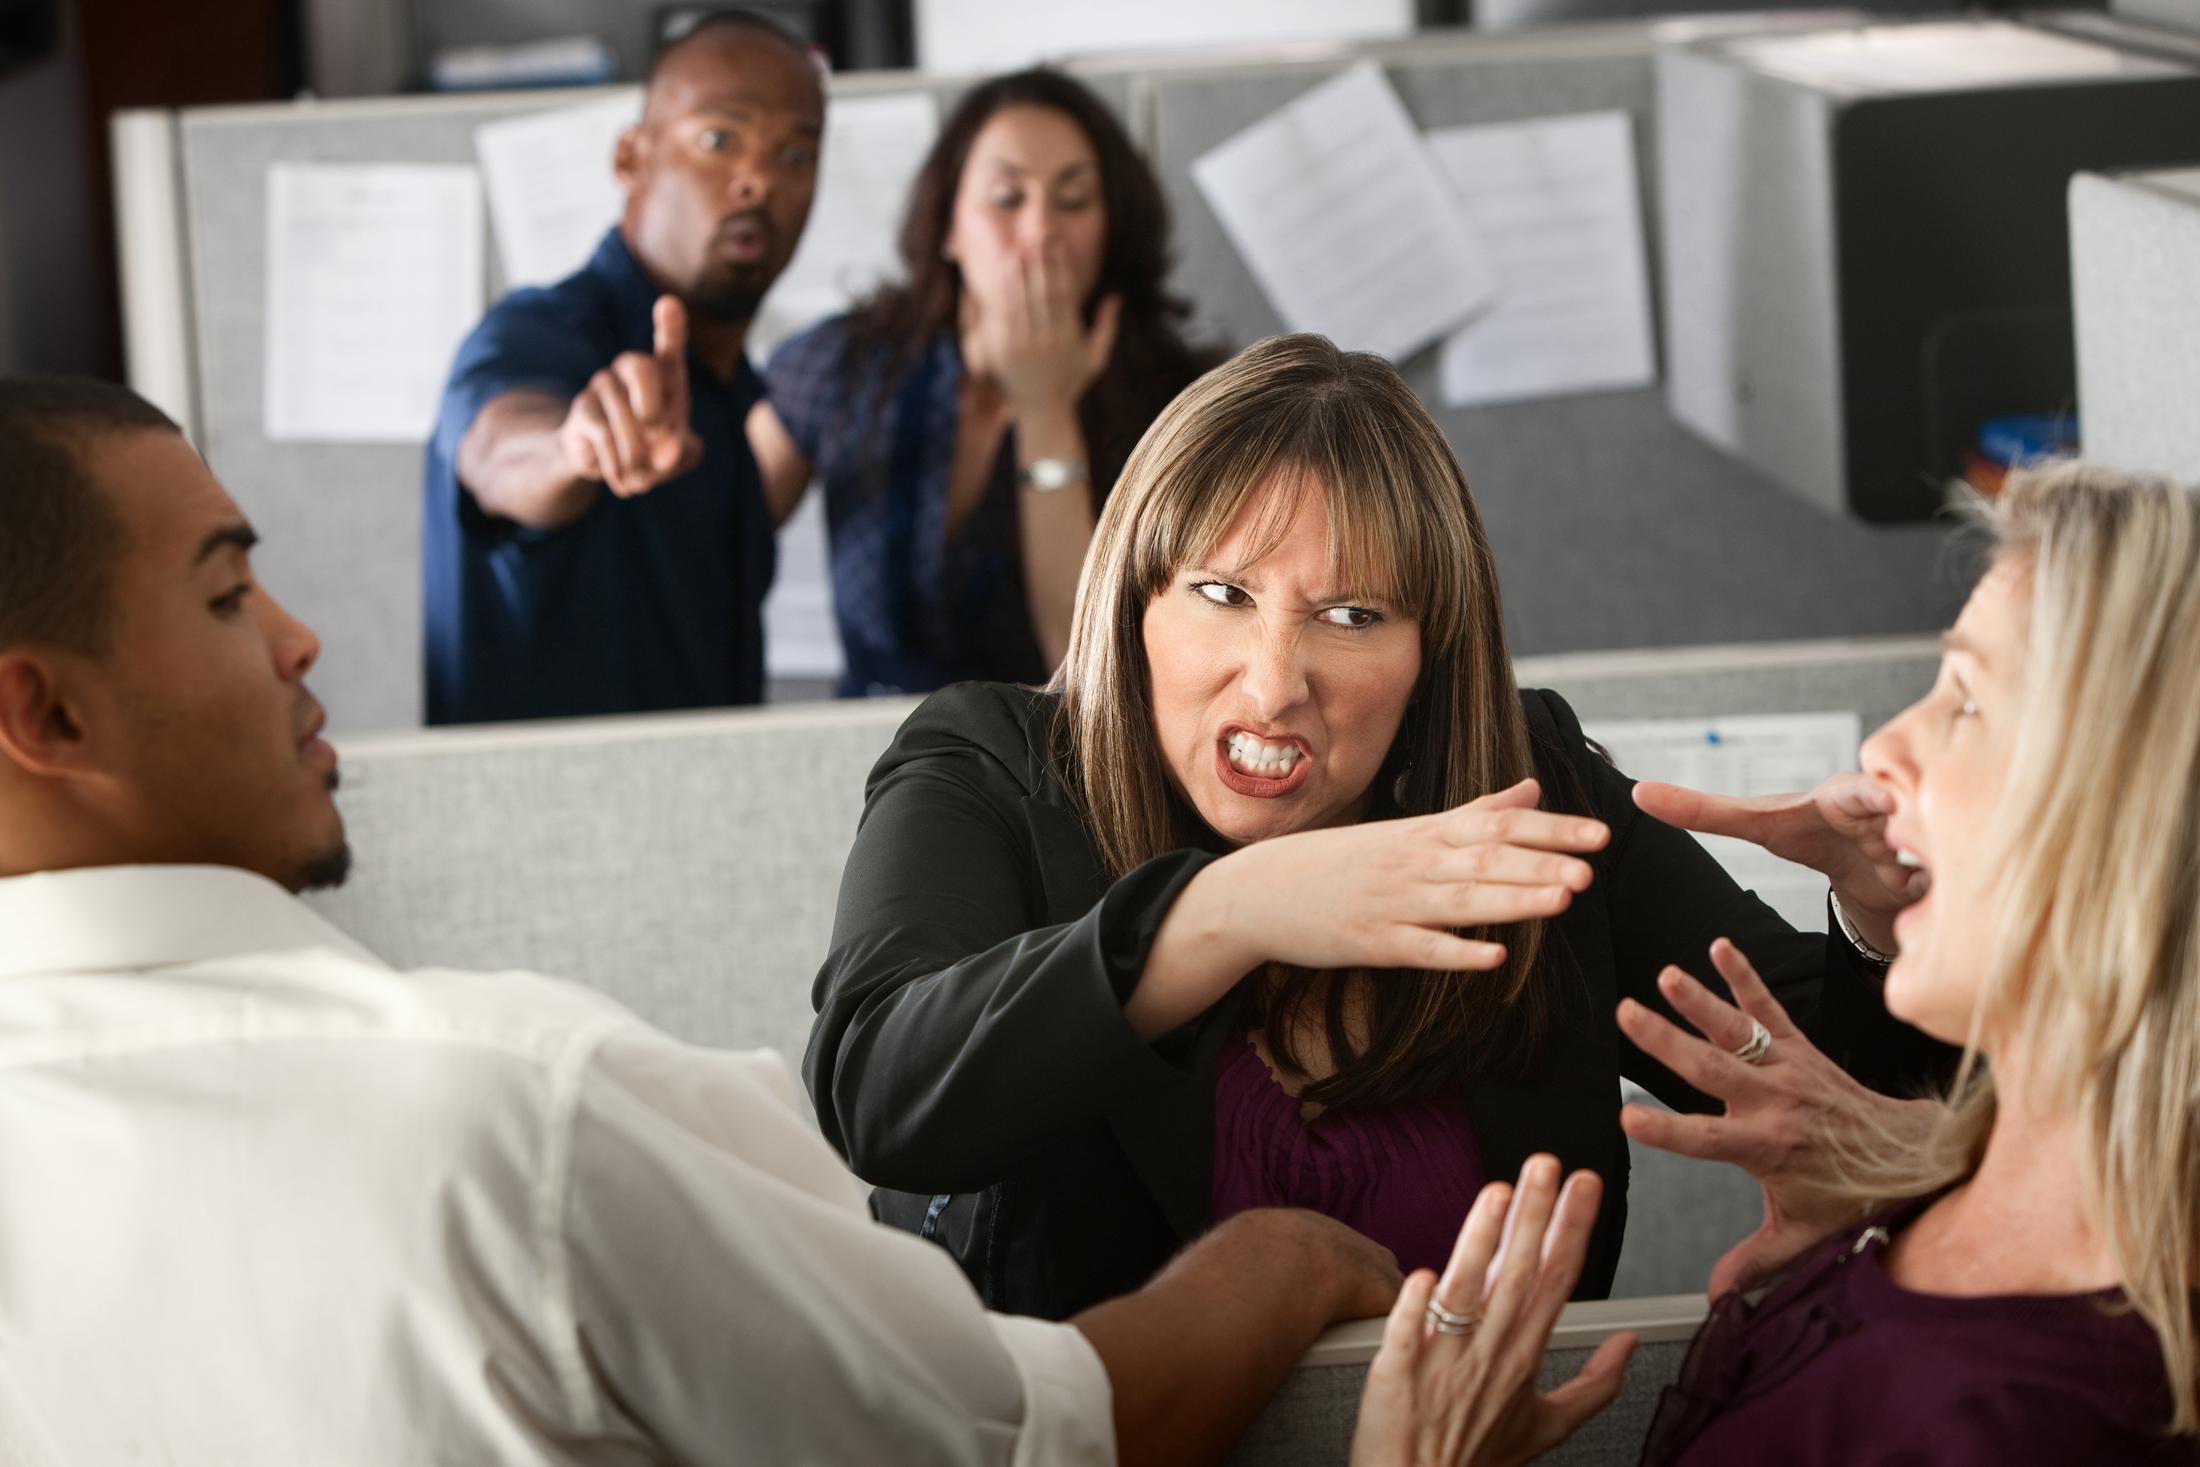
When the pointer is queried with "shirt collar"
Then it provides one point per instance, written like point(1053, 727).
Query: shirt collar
point(105, 919)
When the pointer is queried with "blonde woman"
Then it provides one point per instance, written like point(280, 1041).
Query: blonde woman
point(1282, 895)
point(2031, 1301)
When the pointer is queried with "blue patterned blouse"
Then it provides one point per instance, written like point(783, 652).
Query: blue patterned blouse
point(918, 608)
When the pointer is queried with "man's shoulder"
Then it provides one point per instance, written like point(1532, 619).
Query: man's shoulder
point(578, 315)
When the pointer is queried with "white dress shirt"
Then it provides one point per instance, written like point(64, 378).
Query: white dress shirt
point(266, 1200)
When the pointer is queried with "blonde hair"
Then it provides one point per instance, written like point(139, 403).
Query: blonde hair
point(2095, 970)
point(1296, 414)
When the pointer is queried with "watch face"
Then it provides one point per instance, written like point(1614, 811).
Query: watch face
point(1048, 474)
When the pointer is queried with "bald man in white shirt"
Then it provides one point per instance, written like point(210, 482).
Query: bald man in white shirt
point(266, 1200)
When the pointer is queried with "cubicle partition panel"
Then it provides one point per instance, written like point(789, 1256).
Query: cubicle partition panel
point(2134, 245)
point(339, 522)
point(685, 864)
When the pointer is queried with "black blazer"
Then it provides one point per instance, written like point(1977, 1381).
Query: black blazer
point(971, 1058)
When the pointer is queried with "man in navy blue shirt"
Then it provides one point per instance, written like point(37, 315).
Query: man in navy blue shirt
point(596, 538)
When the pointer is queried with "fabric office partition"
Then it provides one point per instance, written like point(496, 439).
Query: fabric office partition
point(2133, 240)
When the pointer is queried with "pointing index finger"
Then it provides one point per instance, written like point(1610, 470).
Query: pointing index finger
point(669, 317)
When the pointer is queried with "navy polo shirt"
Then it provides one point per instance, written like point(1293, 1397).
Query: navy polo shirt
point(640, 604)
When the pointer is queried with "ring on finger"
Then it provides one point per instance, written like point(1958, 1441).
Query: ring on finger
point(1759, 1044)
point(1448, 1323)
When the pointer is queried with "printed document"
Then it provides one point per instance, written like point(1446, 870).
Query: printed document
point(1761, 754)
point(1555, 200)
point(1336, 206)
point(551, 191)
point(872, 150)
point(374, 276)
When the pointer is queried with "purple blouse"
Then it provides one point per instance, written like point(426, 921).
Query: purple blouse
point(1404, 1175)
point(1839, 1364)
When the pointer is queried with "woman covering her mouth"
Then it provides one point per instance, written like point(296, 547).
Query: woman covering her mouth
point(1281, 893)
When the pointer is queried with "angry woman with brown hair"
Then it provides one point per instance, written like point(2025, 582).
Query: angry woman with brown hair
point(1281, 895)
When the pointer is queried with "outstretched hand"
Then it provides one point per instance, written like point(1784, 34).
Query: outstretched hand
point(1436, 1399)
point(1787, 1116)
point(1838, 828)
point(1380, 894)
point(630, 426)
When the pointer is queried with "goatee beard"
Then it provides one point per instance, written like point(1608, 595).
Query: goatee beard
point(728, 302)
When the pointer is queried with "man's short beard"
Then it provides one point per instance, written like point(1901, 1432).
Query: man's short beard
point(326, 871)
point(728, 300)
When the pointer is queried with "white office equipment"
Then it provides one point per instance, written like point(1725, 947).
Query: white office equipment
point(1764, 754)
point(1555, 200)
point(1864, 242)
point(872, 149)
point(551, 190)
point(1338, 209)
point(374, 277)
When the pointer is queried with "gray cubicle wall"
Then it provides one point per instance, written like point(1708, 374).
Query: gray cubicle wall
point(2134, 240)
point(1613, 527)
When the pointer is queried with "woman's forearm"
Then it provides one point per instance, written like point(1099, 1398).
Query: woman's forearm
point(1200, 952)
point(1056, 526)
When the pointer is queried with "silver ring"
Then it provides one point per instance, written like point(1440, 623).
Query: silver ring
point(1760, 1044)
point(1448, 1323)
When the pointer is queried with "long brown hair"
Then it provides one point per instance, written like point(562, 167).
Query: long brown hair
point(1151, 361)
point(1294, 410)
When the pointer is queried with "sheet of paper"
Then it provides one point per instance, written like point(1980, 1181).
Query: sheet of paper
point(1761, 754)
point(872, 149)
point(1936, 56)
point(801, 638)
point(1338, 210)
point(551, 192)
point(374, 276)
point(1555, 200)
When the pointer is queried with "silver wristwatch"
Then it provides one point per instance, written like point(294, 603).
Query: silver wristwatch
point(1049, 474)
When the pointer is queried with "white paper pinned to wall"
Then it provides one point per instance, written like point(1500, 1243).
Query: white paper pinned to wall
point(869, 157)
point(1758, 754)
point(551, 190)
point(1337, 208)
point(1556, 202)
point(374, 277)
